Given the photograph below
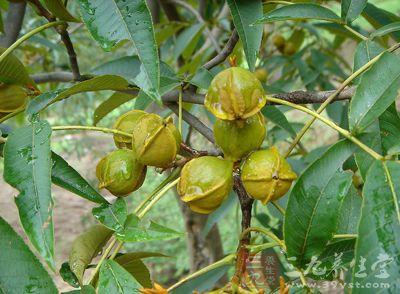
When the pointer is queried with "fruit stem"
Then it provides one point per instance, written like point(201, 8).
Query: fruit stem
point(180, 111)
point(27, 36)
point(278, 207)
point(328, 122)
point(265, 232)
point(225, 261)
point(335, 94)
point(90, 128)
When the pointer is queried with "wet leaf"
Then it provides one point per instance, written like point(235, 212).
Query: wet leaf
point(85, 247)
point(313, 207)
point(377, 249)
point(65, 176)
point(115, 279)
point(112, 21)
point(20, 270)
point(113, 216)
point(27, 167)
point(377, 90)
point(137, 231)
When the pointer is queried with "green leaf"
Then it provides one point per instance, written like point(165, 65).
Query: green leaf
point(371, 138)
point(351, 9)
point(312, 211)
point(300, 11)
point(136, 231)
point(133, 264)
point(395, 150)
point(187, 40)
point(365, 51)
point(68, 276)
point(113, 216)
point(113, 102)
point(57, 8)
point(12, 71)
point(20, 270)
point(244, 14)
point(115, 279)
point(276, 116)
point(105, 82)
point(377, 245)
point(378, 17)
point(65, 176)
point(27, 167)
point(202, 78)
point(337, 253)
point(203, 282)
point(85, 247)
point(349, 213)
point(130, 20)
point(87, 289)
point(387, 29)
point(377, 90)
point(389, 124)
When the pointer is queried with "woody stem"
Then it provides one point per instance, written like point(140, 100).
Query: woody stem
point(246, 205)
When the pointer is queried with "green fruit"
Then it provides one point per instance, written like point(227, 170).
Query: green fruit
point(261, 74)
point(235, 93)
point(237, 138)
point(120, 172)
point(12, 98)
point(126, 123)
point(205, 183)
point(279, 42)
point(289, 49)
point(266, 175)
point(157, 141)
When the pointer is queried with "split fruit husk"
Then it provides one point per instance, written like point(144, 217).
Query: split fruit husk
point(156, 140)
point(205, 183)
point(235, 93)
point(126, 123)
point(120, 172)
point(266, 175)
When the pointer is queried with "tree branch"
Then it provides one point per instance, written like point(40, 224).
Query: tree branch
point(194, 122)
point(13, 23)
point(246, 205)
point(221, 56)
point(64, 38)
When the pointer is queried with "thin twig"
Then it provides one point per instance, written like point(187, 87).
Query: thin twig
point(221, 56)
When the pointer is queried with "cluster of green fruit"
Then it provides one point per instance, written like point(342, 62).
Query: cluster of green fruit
point(155, 142)
point(235, 97)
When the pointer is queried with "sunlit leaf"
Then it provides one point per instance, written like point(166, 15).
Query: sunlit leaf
point(112, 21)
point(12, 71)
